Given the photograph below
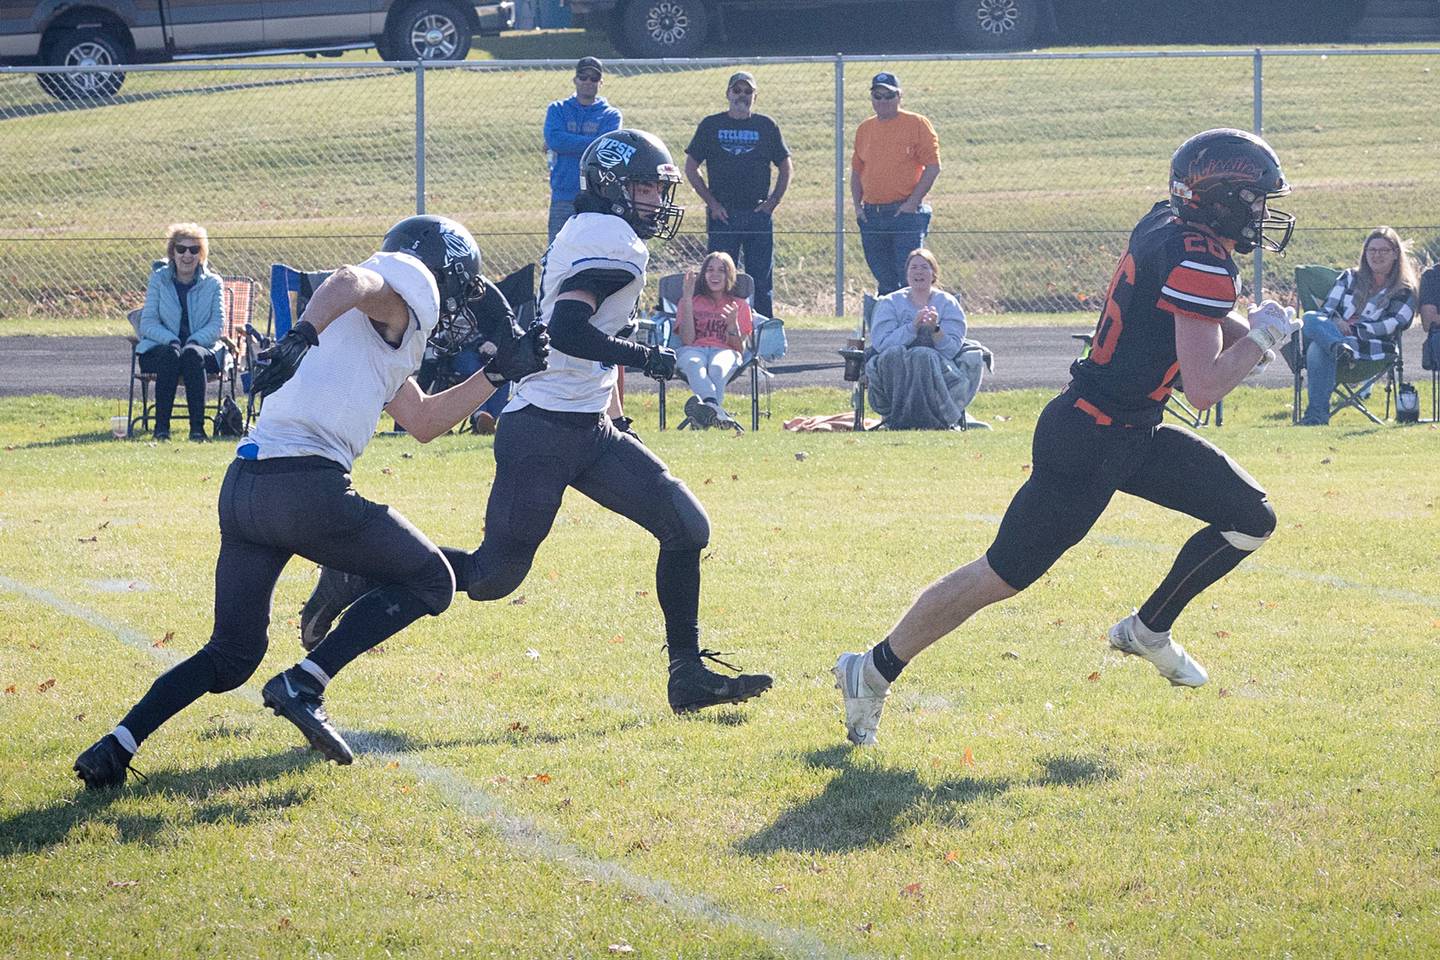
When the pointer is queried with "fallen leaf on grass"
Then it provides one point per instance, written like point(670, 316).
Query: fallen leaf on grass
point(284, 924)
point(518, 727)
point(541, 778)
point(867, 927)
point(967, 758)
point(734, 476)
point(816, 867)
point(532, 653)
point(387, 471)
point(46, 684)
point(1009, 655)
point(117, 884)
point(79, 718)
point(10, 689)
point(618, 638)
point(407, 456)
point(1094, 676)
point(165, 640)
point(802, 455)
point(1222, 634)
point(637, 845)
point(642, 593)
point(708, 481)
point(393, 765)
point(952, 856)
point(621, 947)
point(1325, 460)
point(518, 601)
point(89, 539)
point(912, 890)
point(779, 888)
point(103, 525)
point(1224, 692)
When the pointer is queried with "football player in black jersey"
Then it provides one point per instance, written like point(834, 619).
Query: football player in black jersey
point(1169, 314)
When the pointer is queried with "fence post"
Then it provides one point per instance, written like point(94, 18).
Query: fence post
point(839, 185)
point(419, 137)
point(1259, 128)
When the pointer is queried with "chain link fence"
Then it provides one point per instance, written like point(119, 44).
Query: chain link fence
point(1048, 160)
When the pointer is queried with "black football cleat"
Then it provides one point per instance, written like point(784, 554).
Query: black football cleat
point(694, 687)
point(294, 695)
point(103, 765)
point(333, 592)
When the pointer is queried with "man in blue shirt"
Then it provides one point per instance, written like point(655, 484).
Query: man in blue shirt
point(738, 148)
point(570, 126)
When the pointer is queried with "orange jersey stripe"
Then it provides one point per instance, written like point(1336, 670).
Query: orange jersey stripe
point(1196, 283)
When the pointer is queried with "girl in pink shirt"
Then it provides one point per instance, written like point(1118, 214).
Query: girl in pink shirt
point(713, 325)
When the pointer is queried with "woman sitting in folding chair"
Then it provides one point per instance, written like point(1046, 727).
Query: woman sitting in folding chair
point(921, 377)
point(713, 325)
point(1368, 308)
point(180, 325)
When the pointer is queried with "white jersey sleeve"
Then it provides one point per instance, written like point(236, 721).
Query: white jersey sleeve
point(331, 406)
point(588, 241)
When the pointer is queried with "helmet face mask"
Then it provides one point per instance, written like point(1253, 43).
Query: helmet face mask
point(613, 165)
point(450, 253)
point(1225, 179)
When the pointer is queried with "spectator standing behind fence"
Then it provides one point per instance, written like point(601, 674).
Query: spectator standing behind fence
point(1367, 310)
point(571, 125)
point(1430, 299)
point(919, 378)
point(737, 148)
point(895, 163)
point(181, 322)
point(713, 324)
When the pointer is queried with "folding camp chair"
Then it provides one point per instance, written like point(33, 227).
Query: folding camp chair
point(1430, 360)
point(290, 291)
point(766, 342)
point(1354, 379)
point(858, 358)
point(238, 297)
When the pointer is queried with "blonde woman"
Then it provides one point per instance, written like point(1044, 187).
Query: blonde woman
point(180, 325)
point(1369, 307)
point(712, 323)
point(919, 379)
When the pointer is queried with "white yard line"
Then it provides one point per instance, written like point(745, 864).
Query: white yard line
point(519, 832)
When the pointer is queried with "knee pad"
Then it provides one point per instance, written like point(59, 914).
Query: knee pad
point(434, 585)
point(235, 659)
point(1252, 531)
point(497, 569)
point(692, 531)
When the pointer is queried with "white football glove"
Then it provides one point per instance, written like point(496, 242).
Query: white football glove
point(1272, 324)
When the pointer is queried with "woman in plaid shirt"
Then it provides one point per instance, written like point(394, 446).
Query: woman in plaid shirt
point(1367, 310)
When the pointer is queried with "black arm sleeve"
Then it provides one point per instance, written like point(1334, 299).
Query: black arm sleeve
point(572, 333)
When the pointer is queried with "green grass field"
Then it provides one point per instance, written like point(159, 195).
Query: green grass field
point(525, 792)
point(1047, 166)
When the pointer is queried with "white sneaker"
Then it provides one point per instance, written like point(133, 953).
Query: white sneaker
point(1169, 658)
point(864, 690)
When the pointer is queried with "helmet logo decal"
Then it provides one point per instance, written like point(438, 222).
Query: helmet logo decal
point(457, 249)
point(613, 153)
point(1225, 169)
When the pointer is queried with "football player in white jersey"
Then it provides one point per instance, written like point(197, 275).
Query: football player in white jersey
point(563, 427)
point(288, 491)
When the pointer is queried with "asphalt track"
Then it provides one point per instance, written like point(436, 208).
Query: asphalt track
point(1024, 357)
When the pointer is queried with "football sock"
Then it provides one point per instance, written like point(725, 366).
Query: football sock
point(1205, 558)
point(381, 613)
point(176, 689)
point(677, 585)
point(886, 660)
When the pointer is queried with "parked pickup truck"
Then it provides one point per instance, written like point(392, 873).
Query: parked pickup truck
point(679, 28)
point(100, 32)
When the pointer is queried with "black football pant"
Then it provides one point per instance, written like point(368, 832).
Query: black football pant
point(271, 510)
point(1078, 465)
point(538, 454)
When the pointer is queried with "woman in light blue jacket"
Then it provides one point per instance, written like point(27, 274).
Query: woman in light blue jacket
point(919, 377)
point(180, 325)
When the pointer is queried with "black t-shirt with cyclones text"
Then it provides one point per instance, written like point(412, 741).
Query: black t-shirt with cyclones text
point(737, 155)
point(1170, 268)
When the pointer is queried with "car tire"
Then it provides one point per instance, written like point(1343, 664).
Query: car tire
point(997, 24)
point(430, 30)
point(665, 28)
point(83, 47)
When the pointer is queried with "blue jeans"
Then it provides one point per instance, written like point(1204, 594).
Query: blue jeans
point(560, 211)
point(1322, 339)
point(751, 235)
point(888, 237)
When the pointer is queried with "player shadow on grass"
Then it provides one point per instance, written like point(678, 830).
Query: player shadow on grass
point(868, 804)
point(74, 440)
point(391, 740)
point(232, 792)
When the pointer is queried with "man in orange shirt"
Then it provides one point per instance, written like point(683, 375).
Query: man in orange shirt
point(896, 161)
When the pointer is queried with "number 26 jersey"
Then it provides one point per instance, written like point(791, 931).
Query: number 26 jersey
point(1170, 268)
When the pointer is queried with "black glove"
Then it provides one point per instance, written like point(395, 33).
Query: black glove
point(660, 363)
point(276, 364)
point(520, 356)
point(626, 426)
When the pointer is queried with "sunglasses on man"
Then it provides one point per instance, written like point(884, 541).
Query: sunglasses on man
point(187, 248)
point(588, 77)
point(880, 94)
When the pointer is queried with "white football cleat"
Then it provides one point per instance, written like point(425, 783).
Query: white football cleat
point(864, 690)
point(1169, 658)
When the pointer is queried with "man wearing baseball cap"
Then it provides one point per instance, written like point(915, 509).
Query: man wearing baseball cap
point(571, 125)
point(895, 162)
point(738, 148)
